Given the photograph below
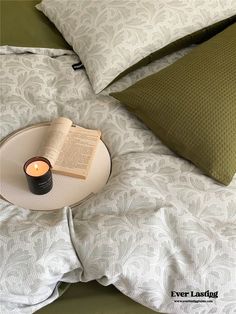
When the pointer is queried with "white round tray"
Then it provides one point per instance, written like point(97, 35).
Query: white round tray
point(66, 191)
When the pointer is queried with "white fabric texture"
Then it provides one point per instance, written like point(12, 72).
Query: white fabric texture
point(36, 254)
point(110, 36)
point(158, 225)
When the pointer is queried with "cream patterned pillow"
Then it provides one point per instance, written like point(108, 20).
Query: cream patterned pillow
point(110, 36)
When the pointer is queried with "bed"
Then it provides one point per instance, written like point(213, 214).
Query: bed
point(159, 232)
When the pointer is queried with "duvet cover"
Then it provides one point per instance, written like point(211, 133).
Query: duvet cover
point(160, 230)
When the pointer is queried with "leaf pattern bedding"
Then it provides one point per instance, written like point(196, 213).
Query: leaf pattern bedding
point(159, 227)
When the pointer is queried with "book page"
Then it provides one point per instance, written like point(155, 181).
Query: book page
point(77, 152)
point(56, 136)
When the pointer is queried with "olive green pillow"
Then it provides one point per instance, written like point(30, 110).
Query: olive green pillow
point(191, 105)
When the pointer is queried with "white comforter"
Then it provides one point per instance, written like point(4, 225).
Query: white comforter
point(159, 227)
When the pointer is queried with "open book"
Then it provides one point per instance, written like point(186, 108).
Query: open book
point(70, 149)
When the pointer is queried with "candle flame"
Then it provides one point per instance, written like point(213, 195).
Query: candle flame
point(36, 167)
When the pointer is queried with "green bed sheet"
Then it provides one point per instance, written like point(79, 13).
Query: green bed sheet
point(23, 25)
point(93, 298)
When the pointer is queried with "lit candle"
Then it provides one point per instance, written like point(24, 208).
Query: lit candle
point(38, 175)
point(37, 168)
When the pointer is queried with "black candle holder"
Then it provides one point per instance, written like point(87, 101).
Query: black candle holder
point(40, 184)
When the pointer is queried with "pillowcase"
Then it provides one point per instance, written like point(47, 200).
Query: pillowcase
point(191, 105)
point(111, 36)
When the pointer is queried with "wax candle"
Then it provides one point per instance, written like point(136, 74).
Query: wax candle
point(38, 175)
